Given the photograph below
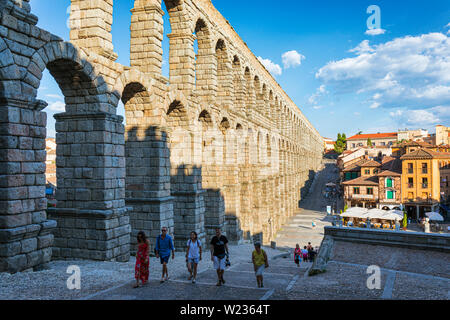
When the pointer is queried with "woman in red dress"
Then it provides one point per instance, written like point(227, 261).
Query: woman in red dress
point(142, 259)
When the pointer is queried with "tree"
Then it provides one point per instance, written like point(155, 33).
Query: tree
point(369, 142)
point(341, 143)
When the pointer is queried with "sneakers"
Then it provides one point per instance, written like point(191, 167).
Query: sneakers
point(193, 281)
point(219, 283)
point(223, 281)
point(190, 277)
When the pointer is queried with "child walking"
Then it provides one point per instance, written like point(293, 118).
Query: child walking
point(297, 255)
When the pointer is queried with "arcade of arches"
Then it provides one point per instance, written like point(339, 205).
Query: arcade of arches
point(217, 144)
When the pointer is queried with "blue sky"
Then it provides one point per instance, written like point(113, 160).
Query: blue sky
point(346, 80)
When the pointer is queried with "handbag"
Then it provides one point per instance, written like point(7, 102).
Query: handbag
point(228, 263)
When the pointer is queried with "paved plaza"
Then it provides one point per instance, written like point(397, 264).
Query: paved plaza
point(405, 273)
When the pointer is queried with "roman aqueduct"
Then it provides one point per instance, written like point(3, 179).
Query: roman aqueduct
point(218, 143)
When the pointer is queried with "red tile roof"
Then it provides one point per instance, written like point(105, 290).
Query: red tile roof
point(362, 181)
point(374, 136)
point(425, 154)
point(371, 164)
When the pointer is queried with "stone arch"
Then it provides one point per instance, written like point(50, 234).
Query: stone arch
point(91, 174)
point(146, 167)
point(175, 95)
point(133, 76)
point(251, 98)
point(224, 74)
point(205, 67)
point(207, 137)
point(239, 84)
point(205, 119)
point(83, 88)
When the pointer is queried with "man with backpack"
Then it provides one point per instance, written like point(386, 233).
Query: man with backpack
point(193, 255)
point(164, 245)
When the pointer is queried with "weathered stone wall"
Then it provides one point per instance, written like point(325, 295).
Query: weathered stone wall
point(219, 143)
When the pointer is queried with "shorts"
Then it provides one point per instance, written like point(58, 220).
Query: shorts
point(194, 260)
point(260, 270)
point(220, 264)
point(164, 259)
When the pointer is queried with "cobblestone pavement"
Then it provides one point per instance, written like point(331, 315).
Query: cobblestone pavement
point(240, 285)
point(96, 277)
point(404, 274)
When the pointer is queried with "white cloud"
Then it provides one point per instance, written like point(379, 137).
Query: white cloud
point(363, 47)
point(317, 107)
point(292, 59)
point(57, 106)
point(375, 32)
point(272, 67)
point(421, 117)
point(375, 105)
point(408, 71)
point(357, 114)
point(319, 92)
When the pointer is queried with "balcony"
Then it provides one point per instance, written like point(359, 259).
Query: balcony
point(410, 185)
point(424, 185)
point(410, 171)
point(424, 171)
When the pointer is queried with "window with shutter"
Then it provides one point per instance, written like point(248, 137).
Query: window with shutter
point(390, 195)
point(389, 183)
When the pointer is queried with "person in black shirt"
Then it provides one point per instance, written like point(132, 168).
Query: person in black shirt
point(219, 253)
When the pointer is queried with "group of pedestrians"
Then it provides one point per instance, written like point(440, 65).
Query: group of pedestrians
point(164, 249)
point(307, 254)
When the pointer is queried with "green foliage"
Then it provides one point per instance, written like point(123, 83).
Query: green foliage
point(345, 208)
point(369, 142)
point(405, 221)
point(341, 143)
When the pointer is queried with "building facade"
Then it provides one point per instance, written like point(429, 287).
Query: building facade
point(378, 140)
point(421, 181)
point(390, 184)
point(442, 135)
